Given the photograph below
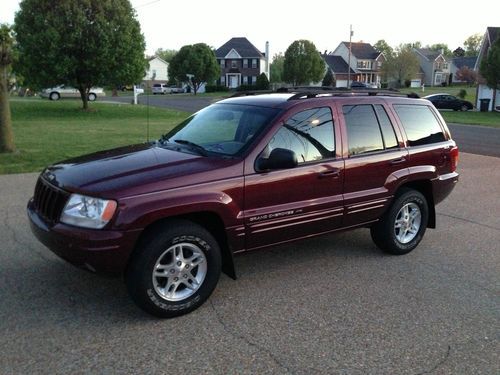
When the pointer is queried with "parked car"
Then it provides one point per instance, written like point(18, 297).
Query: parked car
point(176, 90)
point(446, 101)
point(363, 85)
point(243, 174)
point(64, 91)
point(160, 88)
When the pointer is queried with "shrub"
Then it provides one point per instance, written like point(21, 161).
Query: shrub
point(328, 80)
point(462, 94)
point(216, 88)
point(407, 83)
point(262, 82)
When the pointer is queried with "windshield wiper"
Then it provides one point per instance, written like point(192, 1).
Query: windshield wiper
point(201, 150)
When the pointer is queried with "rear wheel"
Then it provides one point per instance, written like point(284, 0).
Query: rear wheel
point(92, 97)
point(175, 269)
point(403, 226)
point(464, 108)
point(54, 96)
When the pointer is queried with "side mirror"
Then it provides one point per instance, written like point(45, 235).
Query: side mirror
point(280, 158)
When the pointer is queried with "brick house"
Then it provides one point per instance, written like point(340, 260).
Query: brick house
point(241, 63)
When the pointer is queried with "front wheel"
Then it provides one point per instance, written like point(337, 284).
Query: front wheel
point(54, 96)
point(403, 226)
point(92, 97)
point(175, 269)
point(464, 108)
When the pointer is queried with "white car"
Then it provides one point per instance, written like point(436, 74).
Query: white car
point(63, 91)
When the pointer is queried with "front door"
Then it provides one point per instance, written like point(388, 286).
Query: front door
point(286, 204)
point(233, 82)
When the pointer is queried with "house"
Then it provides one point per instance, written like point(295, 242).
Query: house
point(434, 67)
point(483, 91)
point(364, 60)
point(458, 63)
point(339, 68)
point(241, 63)
point(157, 71)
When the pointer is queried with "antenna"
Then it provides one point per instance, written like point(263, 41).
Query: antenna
point(147, 106)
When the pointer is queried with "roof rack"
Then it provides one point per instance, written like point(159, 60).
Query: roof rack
point(307, 92)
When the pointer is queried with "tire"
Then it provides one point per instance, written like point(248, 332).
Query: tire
point(92, 97)
point(464, 108)
point(169, 259)
point(402, 227)
point(54, 96)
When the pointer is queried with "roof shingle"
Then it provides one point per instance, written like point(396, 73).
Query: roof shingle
point(241, 45)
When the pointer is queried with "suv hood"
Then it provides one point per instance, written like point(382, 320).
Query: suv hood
point(135, 169)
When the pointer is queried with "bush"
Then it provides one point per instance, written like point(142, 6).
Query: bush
point(262, 82)
point(328, 80)
point(384, 85)
point(462, 93)
point(216, 88)
point(407, 83)
point(246, 88)
point(444, 84)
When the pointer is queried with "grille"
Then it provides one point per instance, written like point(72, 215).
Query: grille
point(49, 201)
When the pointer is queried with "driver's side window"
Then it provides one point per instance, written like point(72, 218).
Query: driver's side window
point(309, 134)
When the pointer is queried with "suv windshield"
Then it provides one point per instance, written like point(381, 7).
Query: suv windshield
point(222, 128)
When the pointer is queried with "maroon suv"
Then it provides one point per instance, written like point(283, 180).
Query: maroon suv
point(243, 174)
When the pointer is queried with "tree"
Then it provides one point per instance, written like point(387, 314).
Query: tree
point(472, 45)
point(441, 48)
point(262, 82)
point(459, 52)
point(277, 68)
point(490, 69)
point(81, 43)
point(166, 54)
point(303, 63)
point(195, 64)
point(383, 47)
point(328, 80)
point(402, 65)
point(6, 57)
point(466, 74)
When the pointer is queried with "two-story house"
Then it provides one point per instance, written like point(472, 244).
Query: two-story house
point(483, 91)
point(241, 63)
point(364, 60)
point(434, 67)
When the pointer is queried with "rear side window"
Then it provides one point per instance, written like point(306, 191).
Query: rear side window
point(363, 132)
point(390, 140)
point(420, 124)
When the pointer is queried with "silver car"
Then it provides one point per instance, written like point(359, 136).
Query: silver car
point(63, 91)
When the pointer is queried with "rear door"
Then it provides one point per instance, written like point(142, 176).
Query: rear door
point(375, 161)
point(286, 204)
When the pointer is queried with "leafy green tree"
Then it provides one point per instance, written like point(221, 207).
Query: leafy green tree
point(328, 80)
point(303, 63)
point(383, 47)
point(166, 54)
point(490, 69)
point(262, 82)
point(194, 65)
point(472, 44)
point(277, 68)
point(82, 43)
point(459, 52)
point(402, 65)
point(438, 47)
point(6, 58)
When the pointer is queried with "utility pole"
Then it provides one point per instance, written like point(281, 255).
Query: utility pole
point(349, 59)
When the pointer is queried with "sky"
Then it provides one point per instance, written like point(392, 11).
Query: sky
point(171, 24)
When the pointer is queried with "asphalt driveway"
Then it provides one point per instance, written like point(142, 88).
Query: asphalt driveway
point(331, 305)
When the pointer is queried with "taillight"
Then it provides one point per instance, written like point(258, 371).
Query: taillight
point(454, 158)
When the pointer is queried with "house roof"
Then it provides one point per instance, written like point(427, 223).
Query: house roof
point(429, 54)
point(460, 62)
point(151, 58)
point(493, 33)
point(337, 64)
point(241, 45)
point(363, 50)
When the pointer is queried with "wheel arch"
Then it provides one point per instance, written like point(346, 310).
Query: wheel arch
point(211, 221)
point(425, 188)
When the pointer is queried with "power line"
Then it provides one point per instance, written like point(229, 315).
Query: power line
point(148, 3)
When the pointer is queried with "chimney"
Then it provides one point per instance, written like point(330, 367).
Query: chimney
point(268, 67)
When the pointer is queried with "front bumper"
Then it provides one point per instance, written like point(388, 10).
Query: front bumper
point(103, 251)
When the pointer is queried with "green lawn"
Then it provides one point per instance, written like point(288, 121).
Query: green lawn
point(46, 132)
point(472, 117)
point(451, 90)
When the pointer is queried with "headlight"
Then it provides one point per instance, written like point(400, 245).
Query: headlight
point(88, 212)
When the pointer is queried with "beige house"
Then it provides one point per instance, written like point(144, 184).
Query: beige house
point(157, 71)
point(434, 67)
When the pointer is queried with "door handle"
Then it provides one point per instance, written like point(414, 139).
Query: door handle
point(398, 161)
point(332, 173)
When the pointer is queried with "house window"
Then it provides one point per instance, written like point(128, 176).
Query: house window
point(223, 80)
point(233, 64)
point(222, 63)
point(245, 80)
point(445, 65)
point(254, 63)
point(245, 63)
point(364, 64)
point(254, 80)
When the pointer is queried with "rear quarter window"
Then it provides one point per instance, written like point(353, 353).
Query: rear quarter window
point(420, 124)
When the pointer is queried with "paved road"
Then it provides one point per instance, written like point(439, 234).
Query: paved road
point(479, 140)
point(331, 305)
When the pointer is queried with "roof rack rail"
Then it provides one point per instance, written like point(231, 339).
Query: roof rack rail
point(304, 92)
point(252, 92)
